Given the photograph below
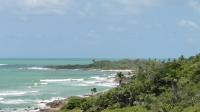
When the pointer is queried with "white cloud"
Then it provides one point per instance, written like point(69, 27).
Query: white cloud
point(195, 4)
point(44, 6)
point(34, 6)
point(86, 7)
point(129, 6)
point(43, 3)
point(188, 24)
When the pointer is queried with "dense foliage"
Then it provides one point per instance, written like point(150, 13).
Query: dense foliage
point(106, 65)
point(171, 86)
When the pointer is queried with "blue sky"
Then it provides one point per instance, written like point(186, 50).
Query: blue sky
point(99, 28)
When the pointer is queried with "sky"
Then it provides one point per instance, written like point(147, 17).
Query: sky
point(99, 28)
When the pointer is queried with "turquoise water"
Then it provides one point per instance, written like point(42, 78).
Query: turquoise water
point(25, 83)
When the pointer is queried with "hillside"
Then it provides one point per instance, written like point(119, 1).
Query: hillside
point(171, 86)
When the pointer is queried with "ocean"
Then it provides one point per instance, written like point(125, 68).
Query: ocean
point(27, 84)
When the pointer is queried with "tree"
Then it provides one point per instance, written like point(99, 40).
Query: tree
point(94, 61)
point(181, 58)
point(120, 77)
point(93, 91)
point(175, 90)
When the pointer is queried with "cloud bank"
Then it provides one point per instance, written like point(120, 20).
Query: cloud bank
point(195, 4)
point(87, 6)
point(189, 24)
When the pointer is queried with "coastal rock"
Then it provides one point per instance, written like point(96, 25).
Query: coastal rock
point(55, 104)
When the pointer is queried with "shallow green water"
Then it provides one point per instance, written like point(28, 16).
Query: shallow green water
point(25, 83)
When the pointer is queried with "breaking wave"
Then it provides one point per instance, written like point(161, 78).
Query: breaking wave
point(60, 80)
point(3, 64)
point(35, 68)
point(108, 81)
point(13, 93)
point(17, 101)
point(1, 98)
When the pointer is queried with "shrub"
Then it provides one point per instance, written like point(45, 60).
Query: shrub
point(74, 102)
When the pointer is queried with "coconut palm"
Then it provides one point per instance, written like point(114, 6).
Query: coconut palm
point(93, 91)
point(120, 77)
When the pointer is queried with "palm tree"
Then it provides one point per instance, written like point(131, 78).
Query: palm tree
point(181, 58)
point(94, 61)
point(120, 77)
point(175, 90)
point(129, 73)
point(93, 91)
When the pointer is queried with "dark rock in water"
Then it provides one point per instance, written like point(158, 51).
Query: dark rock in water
point(36, 108)
point(44, 110)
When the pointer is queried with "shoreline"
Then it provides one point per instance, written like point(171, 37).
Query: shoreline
point(56, 105)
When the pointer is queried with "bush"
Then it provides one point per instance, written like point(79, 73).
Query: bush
point(128, 109)
point(74, 102)
point(195, 108)
point(88, 103)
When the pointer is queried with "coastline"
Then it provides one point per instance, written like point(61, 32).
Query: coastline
point(56, 105)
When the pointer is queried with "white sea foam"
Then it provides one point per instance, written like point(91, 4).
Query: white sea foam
point(84, 85)
point(12, 93)
point(110, 79)
point(1, 98)
point(42, 103)
point(60, 80)
point(17, 101)
point(98, 84)
point(107, 84)
point(35, 68)
point(116, 70)
point(38, 68)
point(77, 79)
point(35, 84)
point(99, 78)
point(3, 64)
point(99, 81)
point(34, 91)
point(18, 110)
point(56, 98)
point(43, 83)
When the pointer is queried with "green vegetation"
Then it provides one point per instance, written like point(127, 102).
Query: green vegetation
point(106, 65)
point(128, 109)
point(73, 102)
point(171, 86)
point(120, 77)
point(93, 91)
point(121, 64)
